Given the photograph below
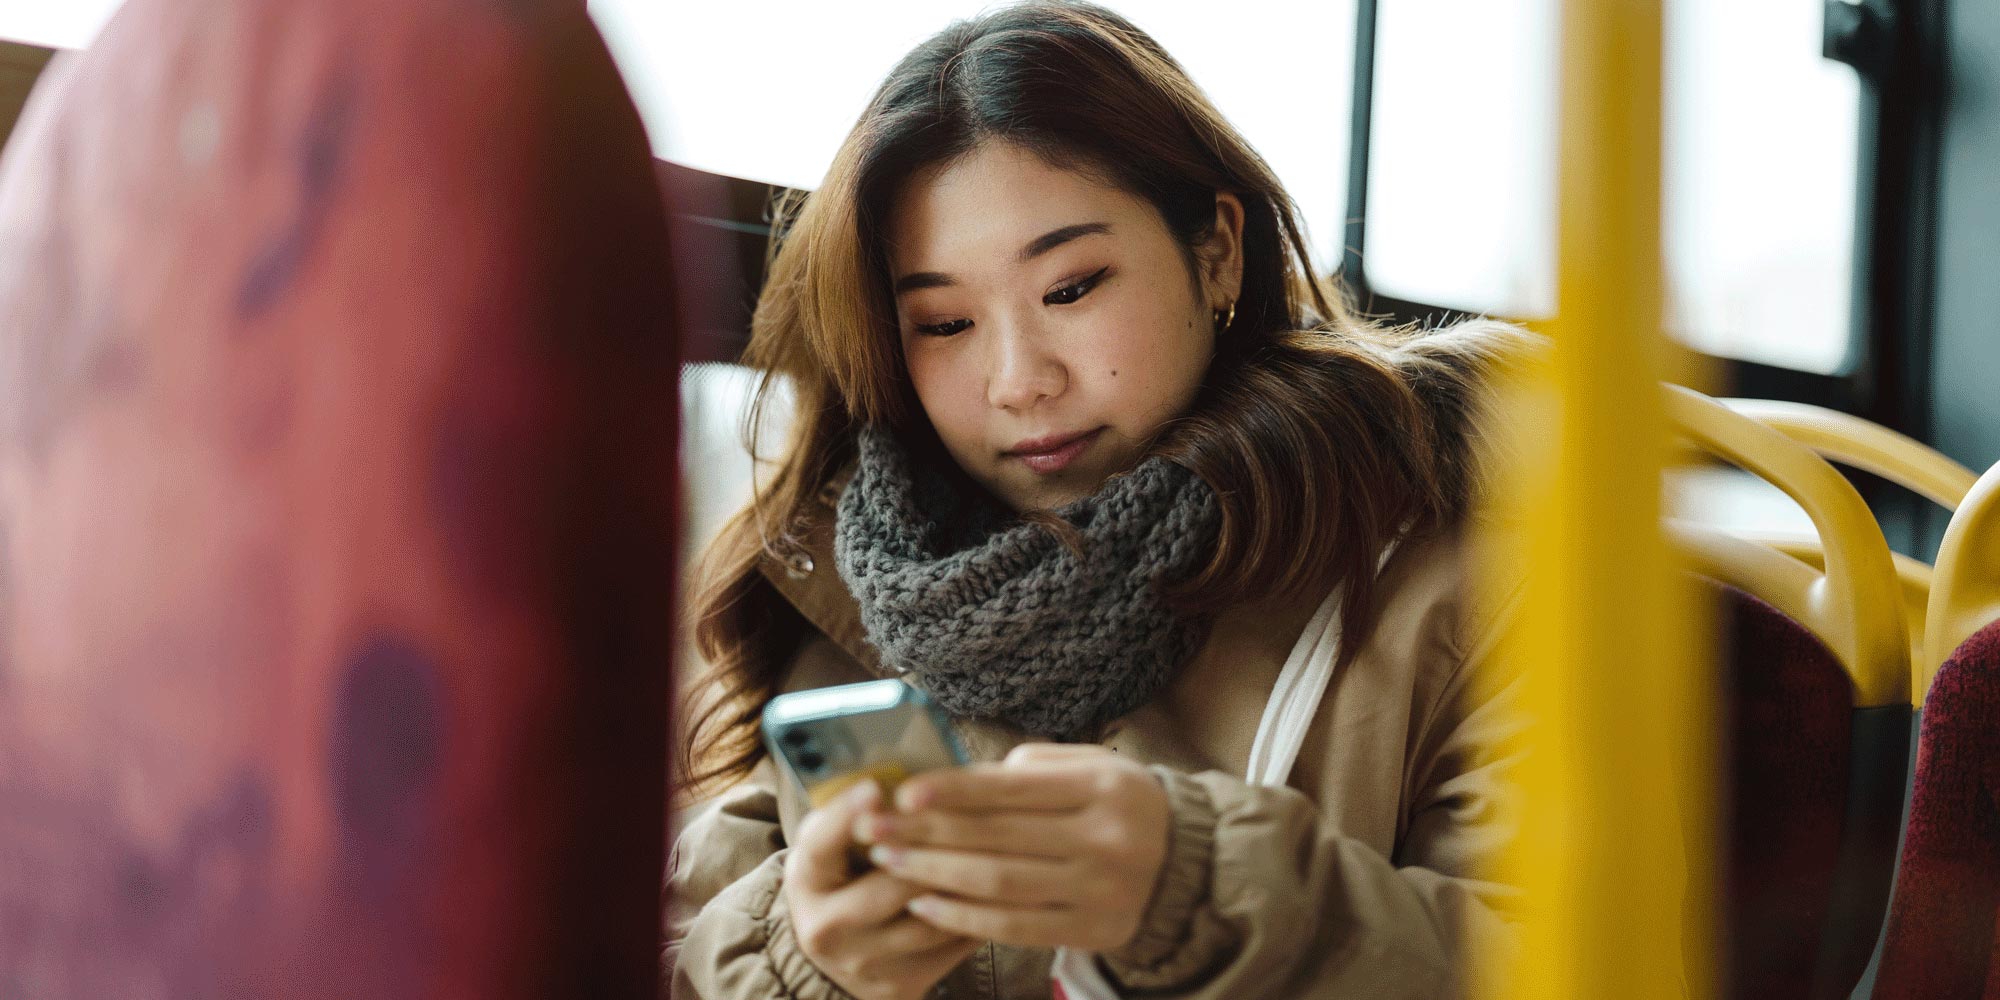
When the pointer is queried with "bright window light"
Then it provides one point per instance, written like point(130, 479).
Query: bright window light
point(1760, 144)
point(1461, 164)
point(766, 89)
point(54, 24)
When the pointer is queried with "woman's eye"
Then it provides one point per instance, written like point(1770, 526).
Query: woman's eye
point(1070, 293)
point(1060, 297)
point(943, 329)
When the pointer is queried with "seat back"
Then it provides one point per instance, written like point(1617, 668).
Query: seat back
point(1815, 780)
point(337, 472)
point(1940, 941)
point(1788, 719)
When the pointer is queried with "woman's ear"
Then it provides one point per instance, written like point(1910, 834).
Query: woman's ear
point(1222, 253)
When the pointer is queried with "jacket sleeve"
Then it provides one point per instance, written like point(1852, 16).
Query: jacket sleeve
point(1261, 897)
point(728, 933)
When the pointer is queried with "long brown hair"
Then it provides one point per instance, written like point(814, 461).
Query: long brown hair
point(1322, 434)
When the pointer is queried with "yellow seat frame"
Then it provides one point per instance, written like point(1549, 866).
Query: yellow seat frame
point(1853, 599)
point(1965, 586)
point(1898, 458)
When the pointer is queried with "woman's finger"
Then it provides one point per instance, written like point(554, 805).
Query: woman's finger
point(994, 878)
point(872, 900)
point(1025, 835)
point(1052, 753)
point(820, 851)
point(984, 788)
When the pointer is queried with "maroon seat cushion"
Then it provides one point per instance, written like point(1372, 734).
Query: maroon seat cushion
point(1788, 705)
point(1940, 943)
point(336, 479)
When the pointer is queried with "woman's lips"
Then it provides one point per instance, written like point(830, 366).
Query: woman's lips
point(1056, 459)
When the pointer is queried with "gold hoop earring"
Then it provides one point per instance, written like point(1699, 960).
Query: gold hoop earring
point(1224, 318)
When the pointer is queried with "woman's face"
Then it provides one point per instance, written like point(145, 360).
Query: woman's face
point(1048, 319)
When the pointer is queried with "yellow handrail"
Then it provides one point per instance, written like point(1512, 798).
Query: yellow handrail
point(1965, 587)
point(1601, 636)
point(1857, 608)
point(1903, 460)
point(1865, 445)
point(1777, 578)
point(1913, 577)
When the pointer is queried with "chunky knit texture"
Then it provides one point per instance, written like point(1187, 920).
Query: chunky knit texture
point(995, 617)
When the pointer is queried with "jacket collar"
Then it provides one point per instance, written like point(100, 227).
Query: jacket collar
point(807, 578)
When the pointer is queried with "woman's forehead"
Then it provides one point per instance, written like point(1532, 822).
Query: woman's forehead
point(984, 208)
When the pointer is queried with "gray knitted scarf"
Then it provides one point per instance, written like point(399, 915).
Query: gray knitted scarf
point(995, 617)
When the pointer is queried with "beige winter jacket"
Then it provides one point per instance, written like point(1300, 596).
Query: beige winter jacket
point(1367, 877)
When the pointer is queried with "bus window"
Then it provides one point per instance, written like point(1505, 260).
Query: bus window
point(700, 71)
point(1759, 175)
point(1461, 177)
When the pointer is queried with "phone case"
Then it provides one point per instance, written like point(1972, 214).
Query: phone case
point(830, 738)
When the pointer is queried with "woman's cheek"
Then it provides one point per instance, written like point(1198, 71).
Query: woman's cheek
point(1148, 382)
point(952, 398)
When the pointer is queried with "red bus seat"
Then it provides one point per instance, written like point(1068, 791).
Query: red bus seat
point(1940, 943)
point(337, 461)
point(1790, 736)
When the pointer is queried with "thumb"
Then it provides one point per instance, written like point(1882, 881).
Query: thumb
point(822, 847)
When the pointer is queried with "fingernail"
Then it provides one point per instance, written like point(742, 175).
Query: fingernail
point(912, 797)
point(869, 829)
point(924, 906)
point(885, 857)
point(863, 793)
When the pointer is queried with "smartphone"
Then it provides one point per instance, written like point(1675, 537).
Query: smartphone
point(884, 731)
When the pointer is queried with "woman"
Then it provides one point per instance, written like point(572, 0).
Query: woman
point(1080, 446)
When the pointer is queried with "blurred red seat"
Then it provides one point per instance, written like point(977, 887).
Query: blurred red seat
point(337, 471)
point(1815, 698)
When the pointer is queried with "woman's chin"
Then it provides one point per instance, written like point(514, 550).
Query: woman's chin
point(1046, 495)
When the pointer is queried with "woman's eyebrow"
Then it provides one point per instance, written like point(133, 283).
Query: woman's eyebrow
point(1036, 247)
point(1057, 237)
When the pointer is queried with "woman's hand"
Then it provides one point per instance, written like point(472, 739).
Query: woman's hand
point(1057, 846)
point(855, 929)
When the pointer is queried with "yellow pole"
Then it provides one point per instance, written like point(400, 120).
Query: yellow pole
point(1603, 638)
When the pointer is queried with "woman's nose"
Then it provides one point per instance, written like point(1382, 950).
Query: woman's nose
point(1021, 371)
